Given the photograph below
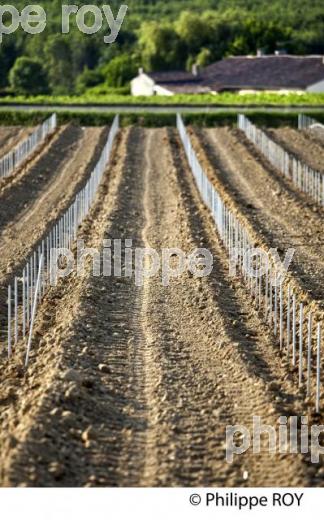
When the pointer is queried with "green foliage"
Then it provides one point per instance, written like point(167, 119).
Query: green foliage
point(85, 118)
point(161, 48)
point(103, 90)
point(204, 57)
point(119, 71)
point(88, 79)
point(27, 76)
point(159, 34)
point(59, 61)
point(8, 55)
point(116, 97)
point(194, 31)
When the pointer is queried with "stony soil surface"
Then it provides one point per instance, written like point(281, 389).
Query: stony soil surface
point(303, 145)
point(42, 190)
point(280, 216)
point(315, 134)
point(10, 136)
point(134, 385)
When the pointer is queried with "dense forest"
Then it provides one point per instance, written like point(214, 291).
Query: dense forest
point(157, 35)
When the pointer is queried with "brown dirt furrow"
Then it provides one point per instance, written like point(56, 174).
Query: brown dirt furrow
point(31, 206)
point(301, 145)
point(24, 178)
point(24, 169)
point(10, 136)
point(278, 217)
point(158, 372)
point(316, 135)
point(7, 133)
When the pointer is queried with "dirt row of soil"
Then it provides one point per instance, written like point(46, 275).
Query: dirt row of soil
point(10, 136)
point(301, 145)
point(315, 134)
point(34, 200)
point(278, 215)
point(134, 385)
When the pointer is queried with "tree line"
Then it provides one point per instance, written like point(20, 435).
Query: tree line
point(156, 35)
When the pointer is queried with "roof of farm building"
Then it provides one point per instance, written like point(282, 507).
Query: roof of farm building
point(264, 72)
point(174, 76)
point(180, 82)
point(246, 72)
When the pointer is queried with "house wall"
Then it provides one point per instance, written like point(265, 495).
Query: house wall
point(160, 91)
point(142, 85)
point(282, 91)
point(317, 87)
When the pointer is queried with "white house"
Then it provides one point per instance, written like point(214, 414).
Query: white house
point(272, 73)
point(167, 83)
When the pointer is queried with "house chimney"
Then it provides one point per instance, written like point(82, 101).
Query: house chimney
point(260, 53)
point(140, 71)
point(195, 69)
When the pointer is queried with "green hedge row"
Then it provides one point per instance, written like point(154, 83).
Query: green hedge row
point(261, 118)
point(225, 99)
